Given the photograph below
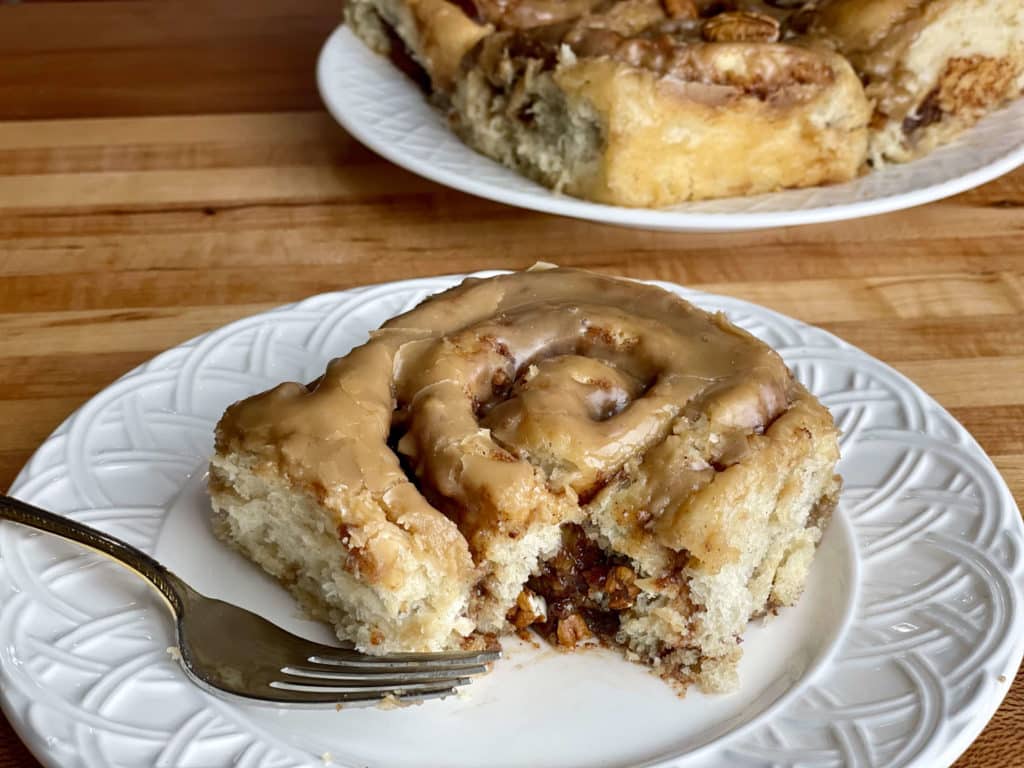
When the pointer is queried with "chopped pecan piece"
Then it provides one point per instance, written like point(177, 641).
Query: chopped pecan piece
point(572, 630)
point(620, 587)
point(530, 608)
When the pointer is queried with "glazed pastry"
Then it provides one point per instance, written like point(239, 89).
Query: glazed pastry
point(930, 67)
point(591, 457)
point(635, 103)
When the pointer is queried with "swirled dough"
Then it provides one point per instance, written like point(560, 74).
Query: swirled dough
point(641, 103)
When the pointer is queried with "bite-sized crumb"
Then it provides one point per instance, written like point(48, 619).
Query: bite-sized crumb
point(391, 702)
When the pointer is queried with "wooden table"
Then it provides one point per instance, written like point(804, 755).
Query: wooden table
point(165, 167)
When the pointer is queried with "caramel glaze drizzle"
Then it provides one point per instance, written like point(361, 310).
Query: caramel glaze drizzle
point(667, 37)
point(514, 397)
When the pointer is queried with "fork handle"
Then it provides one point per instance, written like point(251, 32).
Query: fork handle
point(18, 511)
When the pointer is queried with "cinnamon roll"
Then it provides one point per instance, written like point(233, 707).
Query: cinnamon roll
point(590, 457)
point(633, 102)
point(655, 102)
point(930, 67)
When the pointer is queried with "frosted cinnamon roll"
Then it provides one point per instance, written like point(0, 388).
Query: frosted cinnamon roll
point(591, 457)
point(633, 102)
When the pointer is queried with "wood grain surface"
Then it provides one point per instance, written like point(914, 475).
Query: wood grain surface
point(165, 168)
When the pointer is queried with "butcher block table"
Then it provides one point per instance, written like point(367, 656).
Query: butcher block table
point(166, 167)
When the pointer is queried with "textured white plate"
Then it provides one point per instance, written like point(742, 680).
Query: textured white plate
point(901, 649)
point(385, 110)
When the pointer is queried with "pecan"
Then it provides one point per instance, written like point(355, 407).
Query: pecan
point(741, 27)
point(529, 609)
point(572, 630)
point(620, 587)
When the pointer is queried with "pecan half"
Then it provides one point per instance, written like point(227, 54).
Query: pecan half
point(741, 27)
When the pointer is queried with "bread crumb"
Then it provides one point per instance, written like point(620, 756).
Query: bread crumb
point(389, 702)
point(326, 758)
point(1002, 678)
point(173, 652)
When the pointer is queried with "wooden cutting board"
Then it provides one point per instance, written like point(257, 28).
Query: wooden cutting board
point(165, 168)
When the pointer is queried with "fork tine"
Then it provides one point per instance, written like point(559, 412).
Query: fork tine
point(329, 654)
point(303, 698)
point(369, 667)
point(372, 689)
point(407, 661)
point(363, 673)
point(443, 656)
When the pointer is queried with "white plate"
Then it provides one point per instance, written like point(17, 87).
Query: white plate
point(903, 646)
point(384, 110)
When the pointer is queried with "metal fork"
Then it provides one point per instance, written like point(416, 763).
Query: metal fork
point(226, 649)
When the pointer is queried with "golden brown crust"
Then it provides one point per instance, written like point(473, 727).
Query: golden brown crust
point(734, 141)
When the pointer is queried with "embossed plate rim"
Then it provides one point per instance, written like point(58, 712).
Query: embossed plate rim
point(343, 55)
point(175, 361)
